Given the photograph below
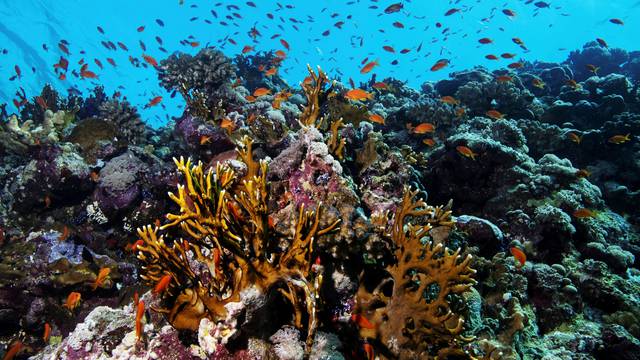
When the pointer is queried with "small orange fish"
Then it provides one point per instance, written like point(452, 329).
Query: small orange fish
point(65, 233)
point(139, 315)
point(157, 222)
point(429, 142)
point(261, 92)
point(13, 350)
point(136, 298)
point(583, 213)
point(250, 98)
point(272, 71)
point(102, 276)
point(460, 112)
point(195, 44)
point(88, 74)
point(153, 102)
point(583, 173)
point(440, 64)
point(519, 255)
point(247, 49)
point(281, 54)
point(423, 128)
point(515, 65)
point(358, 94)
point(47, 201)
point(575, 137)
point(466, 152)
point(94, 176)
point(380, 86)
point(572, 84)
point(450, 100)
point(227, 124)
point(204, 139)
point(47, 332)
point(134, 246)
point(367, 68)
point(362, 321)
point(368, 350)
point(150, 60)
point(619, 139)
point(376, 118)
point(73, 300)
point(504, 78)
point(592, 68)
point(495, 114)
point(538, 83)
point(162, 285)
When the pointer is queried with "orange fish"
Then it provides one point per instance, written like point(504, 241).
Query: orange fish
point(247, 49)
point(368, 350)
point(515, 65)
point(135, 245)
point(73, 300)
point(102, 276)
point(65, 233)
point(41, 102)
point(150, 60)
point(429, 142)
point(519, 255)
point(204, 139)
point(358, 94)
point(583, 173)
point(94, 176)
point(47, 201)
point(460, 112)
point(13, 350)
point(196, 44)
point(362, 321)
point(423, 128)
point(285, 44)
point(88, 74)
point(281, 54)
point(575, 137)
point(440, 64)
point(227, 124)
point(47, 332)
point(592, 68)
point(538, 83)
point(495, 114)
point(619, 139)
point(139, 315)
point(572, 84)
point(466, 152)
point(261, 92)
point(485, 41)
point(153, 102)
point(250, 98)
point(272, 71)
point(450, 100)
point(380, 86)
point(504, 78)
point(583, 213)
point(162, 285)
point(376, 118)
point(365, 69)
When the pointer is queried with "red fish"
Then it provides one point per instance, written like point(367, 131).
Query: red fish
point(451, 12)
point(162, 284)
point(139, 315)
point(140, 28)
point(150, 60)
point(153, 102)
point(616, 21)
point(389, 49)
point(602, 42)
point(111, 61)
point(47, 332)
point(519, 255)
point(367, 68)
point(362, 321)
point(13, 350)
point(18, 71)
point(88, 74)
point(485, 41)
point(285, 44)
point(393, 8)
point(440, 64)
point(398, 24)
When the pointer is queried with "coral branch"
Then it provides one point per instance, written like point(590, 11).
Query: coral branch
point(313, 89)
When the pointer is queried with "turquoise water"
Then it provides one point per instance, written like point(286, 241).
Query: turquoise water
point(549, 34)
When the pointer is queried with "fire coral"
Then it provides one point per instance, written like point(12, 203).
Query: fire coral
point(230, 247)
point(409, 308)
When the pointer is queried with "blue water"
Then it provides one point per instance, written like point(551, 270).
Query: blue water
point(548, 33)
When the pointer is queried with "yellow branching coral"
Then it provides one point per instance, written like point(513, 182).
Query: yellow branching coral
point(409, 308)
point(229, 246)
point(313, 89)
point(335, 141)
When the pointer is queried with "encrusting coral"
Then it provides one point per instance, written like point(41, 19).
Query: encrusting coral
point(231, 247)
point(410, 308)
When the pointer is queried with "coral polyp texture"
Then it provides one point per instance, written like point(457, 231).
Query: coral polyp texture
point(230, 247)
